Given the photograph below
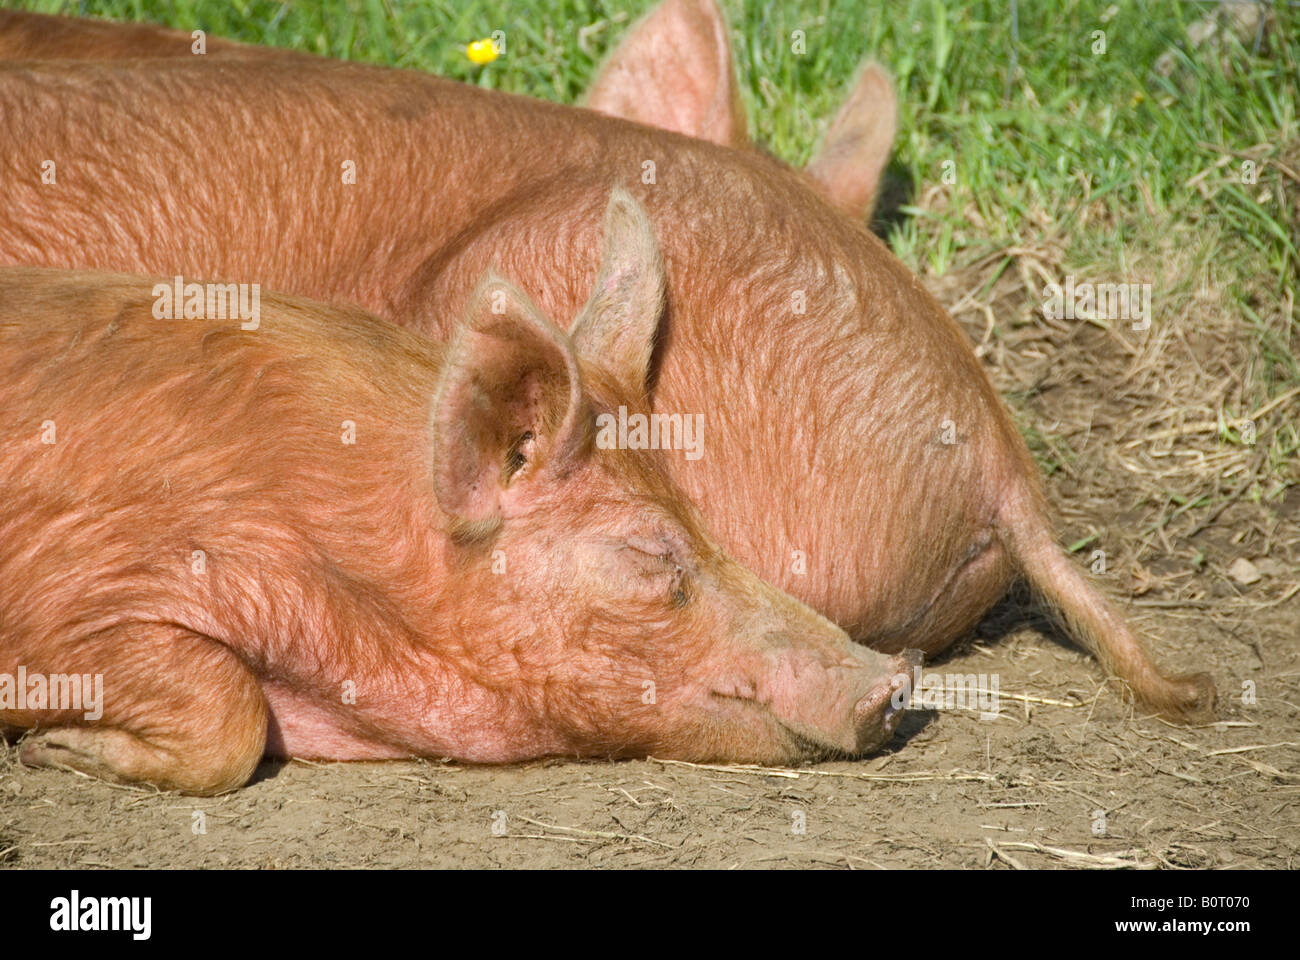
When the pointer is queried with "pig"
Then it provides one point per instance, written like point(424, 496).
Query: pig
point(184, 516)
point(856, 455)
point(673, 70)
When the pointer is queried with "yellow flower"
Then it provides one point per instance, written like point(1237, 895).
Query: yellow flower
point(481, 51)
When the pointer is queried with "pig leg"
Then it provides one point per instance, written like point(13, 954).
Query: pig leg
point(955, 609)
point(179, 711)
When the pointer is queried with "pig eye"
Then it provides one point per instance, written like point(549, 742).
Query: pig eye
point(660, 561)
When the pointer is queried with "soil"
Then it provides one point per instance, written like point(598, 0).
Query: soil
point(1042, 785)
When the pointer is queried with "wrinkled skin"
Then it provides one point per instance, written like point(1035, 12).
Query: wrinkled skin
point(469, 576)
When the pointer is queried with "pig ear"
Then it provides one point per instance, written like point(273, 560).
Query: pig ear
point(848, 166)
point(673, 71)
point(616, 328)
point(509, 405)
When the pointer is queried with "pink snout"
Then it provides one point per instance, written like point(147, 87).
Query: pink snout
point(851, 707)
point(877, 715)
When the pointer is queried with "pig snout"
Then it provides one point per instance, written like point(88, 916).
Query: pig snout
point(820, 693)
point(877, 714)
point(850, 706)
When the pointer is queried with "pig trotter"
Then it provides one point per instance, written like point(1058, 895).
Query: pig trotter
point(179, 711)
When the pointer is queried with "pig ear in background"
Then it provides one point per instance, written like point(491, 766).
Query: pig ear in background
point(509, 403)
point(616, 328)
point(848, 166)
point(673, 71)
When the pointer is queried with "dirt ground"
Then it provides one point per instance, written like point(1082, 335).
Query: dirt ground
point(1066, 775)
point(953, 790)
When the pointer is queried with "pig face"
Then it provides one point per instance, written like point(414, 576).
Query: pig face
point(628, 631)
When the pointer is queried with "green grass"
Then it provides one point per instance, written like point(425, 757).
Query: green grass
point(1046, 137)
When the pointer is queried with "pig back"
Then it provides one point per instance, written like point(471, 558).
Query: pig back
point(195, 472)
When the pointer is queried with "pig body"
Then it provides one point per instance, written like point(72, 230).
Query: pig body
point(856, 454)
point(329, 537)
point(672, 70)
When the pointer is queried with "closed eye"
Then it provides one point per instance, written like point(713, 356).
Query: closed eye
point(660, 563)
